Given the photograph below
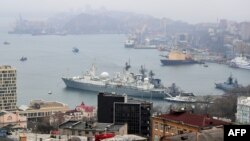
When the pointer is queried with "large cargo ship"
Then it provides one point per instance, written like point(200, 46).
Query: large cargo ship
point(176, 57)
point(136, 85)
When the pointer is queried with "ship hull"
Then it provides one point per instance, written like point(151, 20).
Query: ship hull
point(172, 99)
point(129, 46)
point(240, 66)
point(159, 94)
point(177, 62)
point(224, 87)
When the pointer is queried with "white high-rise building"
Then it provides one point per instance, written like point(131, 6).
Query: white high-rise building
point(243, 110)
point(8, 96)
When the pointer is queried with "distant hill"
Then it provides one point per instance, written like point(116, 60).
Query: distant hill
point(108, 22)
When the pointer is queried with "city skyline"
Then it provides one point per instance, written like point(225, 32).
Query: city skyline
point(191, 11)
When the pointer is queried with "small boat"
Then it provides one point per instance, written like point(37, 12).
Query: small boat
point(23, 59)
point(6, 43)
point(75, 50)
point(49, 92)
point(129, 43)
point(205, 65)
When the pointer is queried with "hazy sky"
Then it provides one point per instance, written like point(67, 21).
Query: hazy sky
point(192, 11)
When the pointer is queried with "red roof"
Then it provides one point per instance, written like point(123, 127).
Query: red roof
point(85, 107)
point(193, 119)
point(104, 136)
point(55, 132)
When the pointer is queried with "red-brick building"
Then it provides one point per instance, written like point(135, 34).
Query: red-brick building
point(176, 123)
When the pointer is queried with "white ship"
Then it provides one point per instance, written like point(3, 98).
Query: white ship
point(122, 83)
point(240, 62)
point(181, 99)
point(129, 43)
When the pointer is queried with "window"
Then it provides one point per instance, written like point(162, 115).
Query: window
point(9, 118)
point(79, 133)
point(156, 125)
point(161, 127)
point(156, 138)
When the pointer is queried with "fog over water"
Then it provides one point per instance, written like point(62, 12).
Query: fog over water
point(192, 11)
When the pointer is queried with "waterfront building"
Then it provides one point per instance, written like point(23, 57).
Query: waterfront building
point(243, 110)
point(181, 122)
point(81, 112)
point(41, 108)
point(120, 109)
point(244, 30)
point(8, 96)
point(12, 120)
point(90, 129)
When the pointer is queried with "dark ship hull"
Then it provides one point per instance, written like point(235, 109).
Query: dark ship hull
point(178, 62)
point(226, 87)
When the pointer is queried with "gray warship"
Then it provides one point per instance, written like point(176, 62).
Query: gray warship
point(135, 85)
point(228, 85)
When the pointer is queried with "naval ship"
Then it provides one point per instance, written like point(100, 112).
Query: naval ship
point(136, 85)
point(228, 85)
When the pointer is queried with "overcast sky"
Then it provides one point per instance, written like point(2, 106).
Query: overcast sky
point(192, 11)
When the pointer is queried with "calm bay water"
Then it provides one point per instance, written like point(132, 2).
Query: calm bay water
point(51, 57)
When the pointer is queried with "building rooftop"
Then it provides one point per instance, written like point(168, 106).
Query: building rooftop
point(214, 134)
point(192, 119)
point(242, 100)
point(126, 138)
point(6, 67)
point(85, 108)
point(79, 125)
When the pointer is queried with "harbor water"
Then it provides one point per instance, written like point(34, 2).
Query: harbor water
point(50, 57)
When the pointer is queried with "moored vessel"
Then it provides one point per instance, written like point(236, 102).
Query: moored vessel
point(181, 99)
point(23, 59)
point(176, 57)
point(230, 84)
point(240, 62)
point(129, 43)
point(136, 85)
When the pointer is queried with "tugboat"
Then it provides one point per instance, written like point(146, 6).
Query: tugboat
point(230, 84)
point(129, 43)
point(6, 43)
point(75, 50)
point(23, 59)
